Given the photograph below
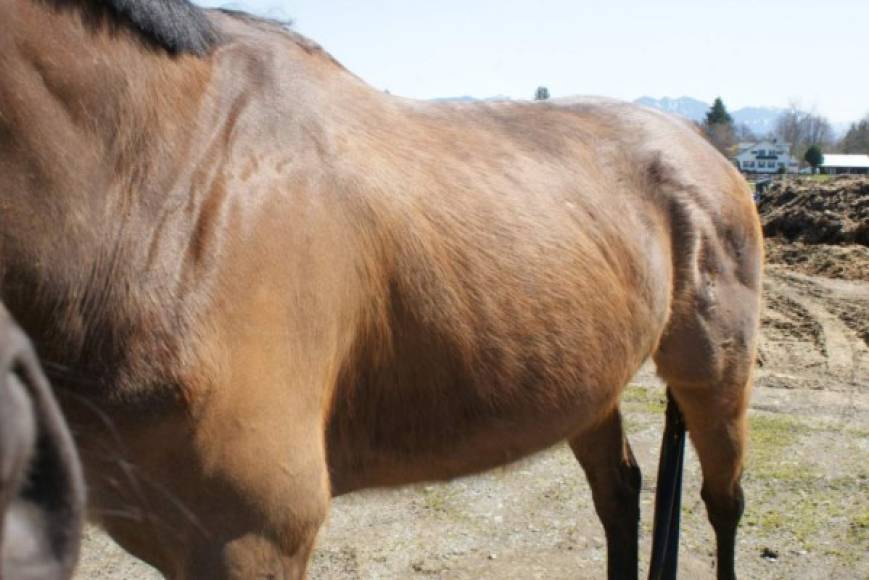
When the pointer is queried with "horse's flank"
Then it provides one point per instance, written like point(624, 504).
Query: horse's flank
point(318, 287)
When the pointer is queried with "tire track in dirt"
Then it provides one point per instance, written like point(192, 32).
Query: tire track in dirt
point(849, 300)
point(810, 338)
point(844, 350)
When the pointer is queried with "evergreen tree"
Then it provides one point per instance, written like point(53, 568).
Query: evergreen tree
point(542, 94)
point(814, 157)
point(718, 114)
point(718, 127)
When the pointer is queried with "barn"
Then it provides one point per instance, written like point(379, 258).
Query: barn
point(835, 164)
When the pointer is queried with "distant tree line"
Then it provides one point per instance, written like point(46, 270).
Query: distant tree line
point(802, 130)
point(808, 134)
point(856, 140)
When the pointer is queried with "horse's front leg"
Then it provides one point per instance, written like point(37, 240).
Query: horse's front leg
point(237, 488)
point(615, 479)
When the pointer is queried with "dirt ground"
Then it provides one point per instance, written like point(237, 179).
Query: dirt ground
point(806, 487)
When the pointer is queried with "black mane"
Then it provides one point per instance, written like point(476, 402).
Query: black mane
point(176, 25)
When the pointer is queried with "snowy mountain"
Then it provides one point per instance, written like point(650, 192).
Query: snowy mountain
point(683, 106)
point(761, 120)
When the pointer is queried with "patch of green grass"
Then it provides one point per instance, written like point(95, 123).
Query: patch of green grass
point(768, 459)
point(435, 498)
point(441, 499)
point(771, 435)
point(858, 526)
point(802, 518)
point(643, 399)
point(790, 500)
point(775, 429)
point(769, 438)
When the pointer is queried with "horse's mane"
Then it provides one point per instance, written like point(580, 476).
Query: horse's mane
point(176, 25)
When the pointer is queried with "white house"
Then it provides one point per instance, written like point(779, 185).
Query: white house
point(770, 156)
point(843, 164)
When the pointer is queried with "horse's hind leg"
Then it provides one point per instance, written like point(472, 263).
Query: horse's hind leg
point(717, 426)
point(614, 477)
point(706, 358)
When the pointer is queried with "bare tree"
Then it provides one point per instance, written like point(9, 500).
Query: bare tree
point(721, 135)
point(818, 130)
point(802, 130)
point(790, 129)
point(743, 133)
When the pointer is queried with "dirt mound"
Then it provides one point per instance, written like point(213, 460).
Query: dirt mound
point(813, 212)
point(846, 262)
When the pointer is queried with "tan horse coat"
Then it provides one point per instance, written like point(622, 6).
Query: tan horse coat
point(273, 284)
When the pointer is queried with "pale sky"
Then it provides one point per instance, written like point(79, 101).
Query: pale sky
point(814, 53)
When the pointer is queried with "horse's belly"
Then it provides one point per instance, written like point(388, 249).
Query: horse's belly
point(487, 448)
point(438, 428)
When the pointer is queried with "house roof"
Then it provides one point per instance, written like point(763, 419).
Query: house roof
point(834, 160)
point(764, 143)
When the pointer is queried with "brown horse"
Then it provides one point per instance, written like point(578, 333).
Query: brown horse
point(268, 283)
point(41, 487)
